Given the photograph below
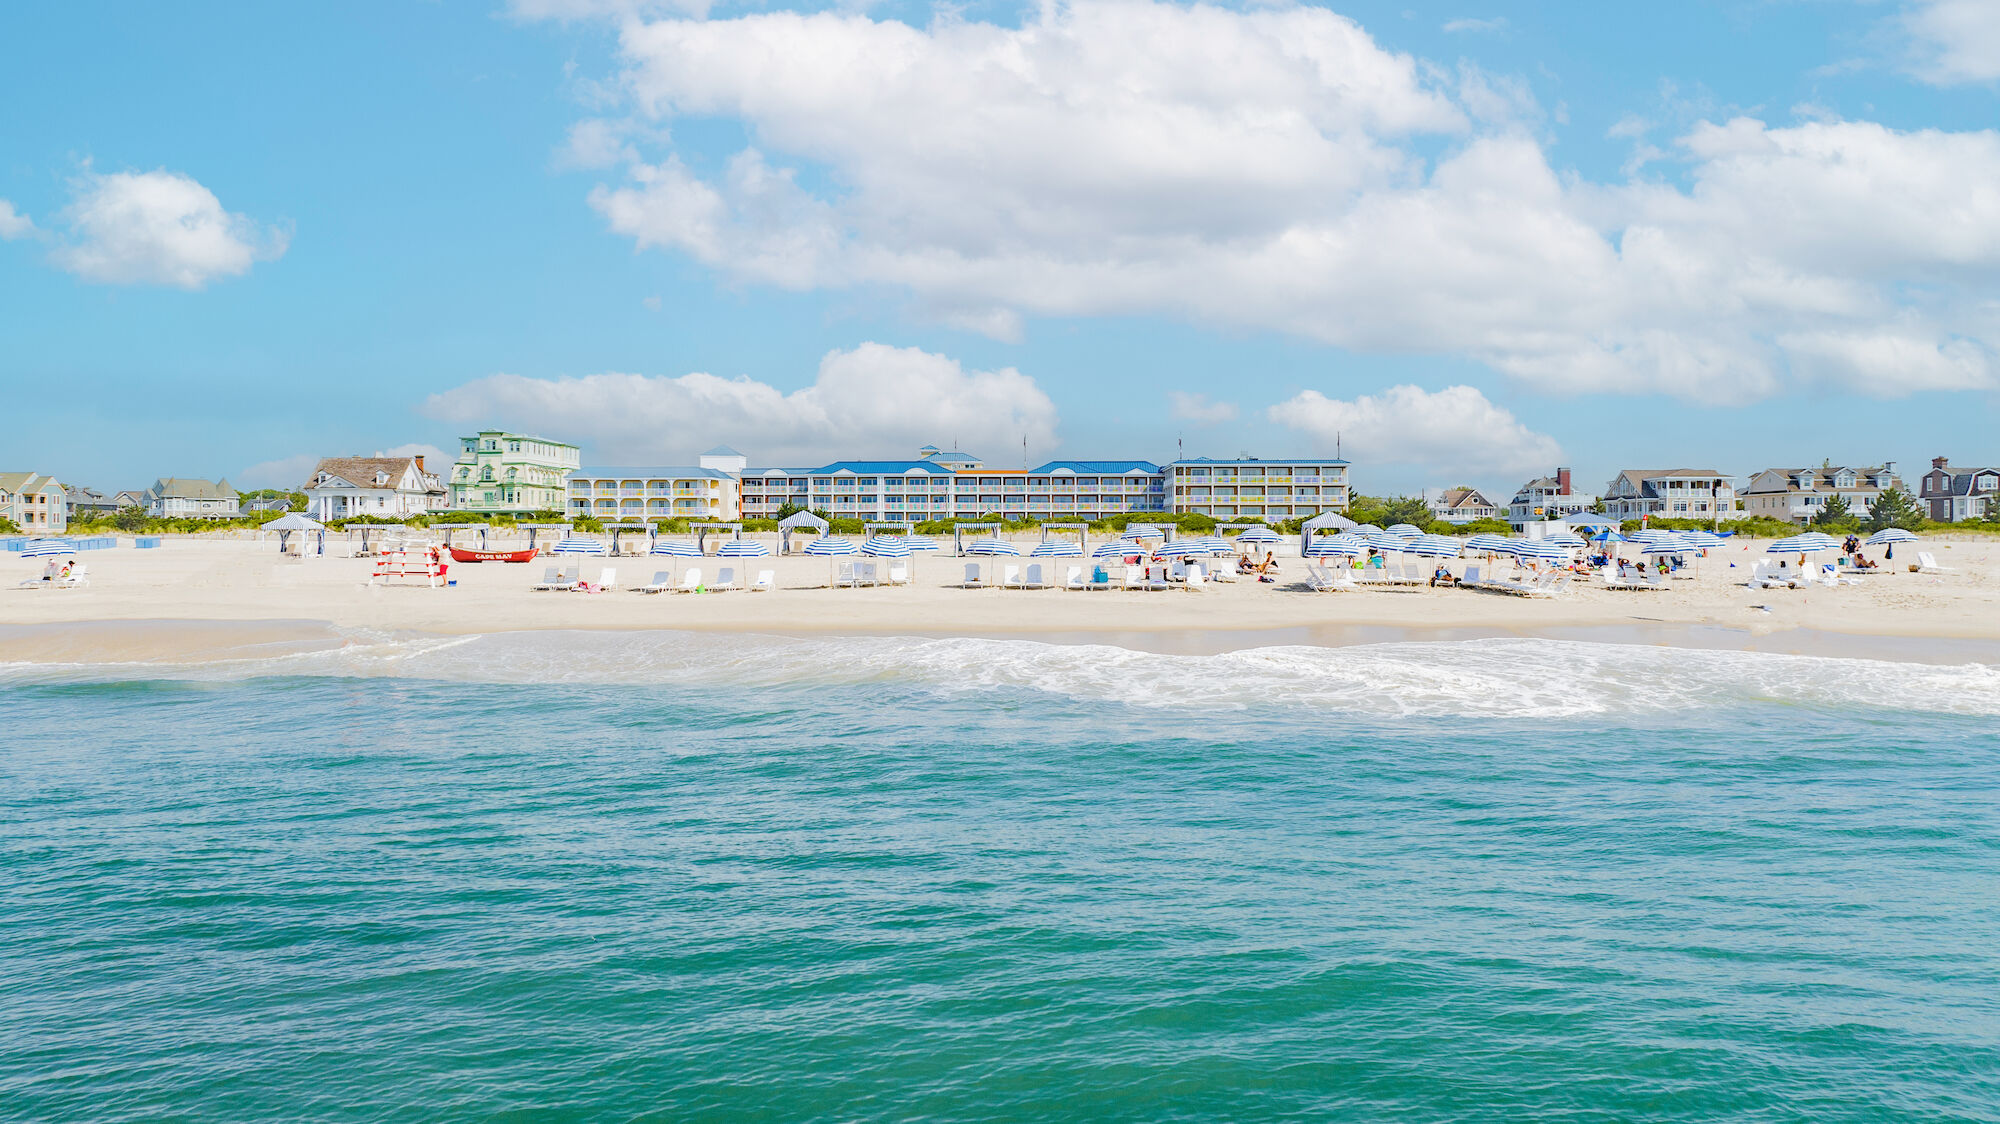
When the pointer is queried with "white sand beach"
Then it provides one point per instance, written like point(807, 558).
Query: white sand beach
point(242, 581)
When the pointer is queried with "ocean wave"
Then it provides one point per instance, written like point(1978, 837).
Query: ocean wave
point(1508, 678)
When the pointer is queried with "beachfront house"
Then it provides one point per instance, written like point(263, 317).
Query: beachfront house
point(1951, 495)
point(176, 497)
point(938, 485)
point(1546, 498)
point(88, 502)
point(1256, 488)
point(35, 502)
point(123, 500)
point(499, 473)
point(1462, 505)
point(1669, 493)
point(387, 487)
point(1799, 494)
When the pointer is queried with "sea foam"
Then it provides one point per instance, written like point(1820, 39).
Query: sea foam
point(1510, 678)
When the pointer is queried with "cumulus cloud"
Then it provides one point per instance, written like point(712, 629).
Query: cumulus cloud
point(159, 228)
point(1954, 42)
point(1454, 430)
point(1276, 168)
point(13, 224)
point(871, 398)
point(285, 472)
point(1199, 408)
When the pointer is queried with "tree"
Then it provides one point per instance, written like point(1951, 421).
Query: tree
point(1895, 508)
point(130, 519)
point(8, 526)
point(1834, 513)
point(1407, 509)
point(787, 510)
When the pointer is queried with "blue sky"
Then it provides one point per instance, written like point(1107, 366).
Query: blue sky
point(1474, 240)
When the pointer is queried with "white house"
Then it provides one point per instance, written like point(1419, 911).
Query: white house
point(1547, 497)
point(172, 497)
point(391, 487)
point(1669, 493)
point(1463, 505)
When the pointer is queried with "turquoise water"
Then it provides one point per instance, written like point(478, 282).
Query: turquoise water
point(664, 878)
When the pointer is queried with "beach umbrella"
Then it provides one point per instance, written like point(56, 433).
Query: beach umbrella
point(1434, 546)
point(1363, 529)
point(1113, 549)
point(1590, 521)
point(578, 546)
point(988, 548)
point(1056, 548)
point(885, 546)
point(675, 548)
point(1184, 549)
point(1347, 544)
point(1607, 535)
point(1132, 534)
point(1702, 540)
point(827, 546)
point(1530, 550)
point(920, 543)
point(1890, 537)
point(1214, 544)
point(42, 548)
point(1662, 542)
point(1258, 534)
point(1567, 542)
point(1812, 542)
point(1407, 530)
point(743, 548)
point(1487, 544)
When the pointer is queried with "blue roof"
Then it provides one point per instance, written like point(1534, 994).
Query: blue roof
point(1260, 460)
point(951, 456)
point(880, 468)
point(722, 451)
point(1098, 468)
point(683, 471)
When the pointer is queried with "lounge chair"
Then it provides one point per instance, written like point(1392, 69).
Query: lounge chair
point(1010, 577)
point(1320, 579)
point(555, 577)
point(844, 575)
point(663, 581)
point(1194, 578)
point(607, 580)
point(1100, 578)
point(1034, 580)
point(899, 573)
point(690, 580)
point(1073, 578)
point(1135, 578)
point(1927, 563)
point(972, 578)
point(725, 579)
point(767, 580)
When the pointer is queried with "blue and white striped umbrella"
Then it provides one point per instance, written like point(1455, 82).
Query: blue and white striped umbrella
point(988, 548)
point(828, 545)
point(1057, 548)
point(1488, 544)
point(675, 548)
point(1701, 540)
point(920, 544)
point(1812, 542)
point(1407, 530)
point(886, 546)
point(1214, 544)
point(743, 548)
point(1650, 534)
point(1185, 548)
point(1347, 544)
point(1364, 529)
point(1662, 542)
point(1133, 534)
point(1890, 536)
point(1114, 549)
point(1607, 535)
point(1434, 546)
point(41, 548)
point(1542, 551)
point(578, 546)
point(1258, 534)
point(1567, 542)
point(1386, 540)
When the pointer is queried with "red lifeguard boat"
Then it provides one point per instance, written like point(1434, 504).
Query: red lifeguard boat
point(462, 554)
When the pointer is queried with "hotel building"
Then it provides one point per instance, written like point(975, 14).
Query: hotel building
point(708, 492)
point(501, 473)
point(1252, 488)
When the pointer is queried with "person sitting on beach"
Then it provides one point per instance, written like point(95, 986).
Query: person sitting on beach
point(51, 571)
point(1862, 563)
point(1244, 565)
point(1442, 576)
point(1270, 565)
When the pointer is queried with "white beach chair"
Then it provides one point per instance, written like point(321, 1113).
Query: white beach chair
point(1073, 578)
point(1135, 578)
point(844, 575)
point(1010, 577)
point(1927, 563)
point(690, 580)
point(767, 580)
point(551, 579)
point(725, 580)
point(1034, 580)
point(1319, 579)
point(79, 575)
point(663, 581)
point(972, 578)
point(1196, 577)
point(607, 580)
point(899, 573)
point(1097, 582)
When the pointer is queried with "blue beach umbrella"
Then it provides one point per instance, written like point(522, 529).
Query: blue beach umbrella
point(1702, 540)
point(1113, 550)
point(578, 546)
point(1133, 534)
point(1529, 550)
point(989, 548)
point(675, 548)
point(1258, 534)
point(1407, 530)
point(1056, 548)
point(1183, 549)
point(1487, 544)
point(1364, 529)
point(1434, 546)
point(920, 544)
point(1607, 535)
point(43, 548)
point(1567, 542)
point(743, 548)
point(1344, 545)
point(886, 546)
point(828, 546)
point(1890, 536)
point(1812, 542)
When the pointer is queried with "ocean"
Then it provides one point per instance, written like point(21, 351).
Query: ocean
point(660, 876)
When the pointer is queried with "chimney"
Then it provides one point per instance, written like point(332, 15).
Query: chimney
point(1942, 464)
point(420, 462)
point(1562, 481)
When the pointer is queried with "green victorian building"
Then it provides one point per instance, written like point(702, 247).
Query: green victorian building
point(511, 473)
